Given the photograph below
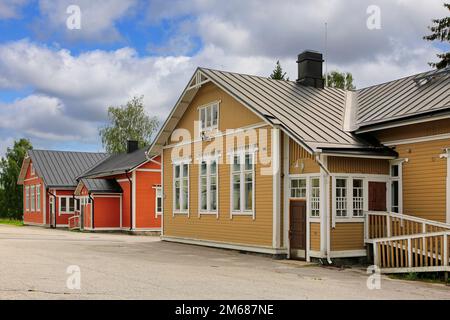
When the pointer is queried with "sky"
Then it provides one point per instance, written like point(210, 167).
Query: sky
point(58, 77)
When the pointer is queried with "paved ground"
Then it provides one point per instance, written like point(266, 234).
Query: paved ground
point(33, 264)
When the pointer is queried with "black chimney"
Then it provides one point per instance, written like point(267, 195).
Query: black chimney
point(132, 146)
point(310, 69)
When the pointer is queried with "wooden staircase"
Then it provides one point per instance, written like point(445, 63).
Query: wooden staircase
point(403, 243)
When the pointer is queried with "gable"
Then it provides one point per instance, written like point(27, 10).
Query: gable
point(232, 114)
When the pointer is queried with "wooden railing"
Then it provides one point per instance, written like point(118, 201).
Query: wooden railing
point(384, 225)
point(412, 253)
point(74, 222)
point(403, 243)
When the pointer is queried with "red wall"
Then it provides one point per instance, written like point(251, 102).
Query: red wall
point(106, 211)
point(34, 217)
point(146, 196)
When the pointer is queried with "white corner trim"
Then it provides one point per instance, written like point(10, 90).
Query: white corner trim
point(133, 199)
point(448, 187)
point(276, 184)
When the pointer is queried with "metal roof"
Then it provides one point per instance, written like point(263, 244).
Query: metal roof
point(407, 97)
point(61, 168)
point(117, 164)
point(101, 185)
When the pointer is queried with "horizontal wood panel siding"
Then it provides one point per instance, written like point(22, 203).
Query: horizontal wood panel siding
point(414, 131)
point(297, 156)
point(424, 179)
point(347, 236)
point(315, 236)
point(238, 229)
point(232, 114)
point(358, 165)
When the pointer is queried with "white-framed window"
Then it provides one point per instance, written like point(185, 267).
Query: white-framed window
point(243, 183)
point(209, 117)
point(298, 188)
point(341, 197)
point(77, 204)
point(66, 205)
point(181, 188)
point(208, 195)
point(315, 197)
point(396, 186)
point(38, 197)
point(358, 198)
point(33, 198)
point(158, 200)
point(32, 171)
point(27, 198)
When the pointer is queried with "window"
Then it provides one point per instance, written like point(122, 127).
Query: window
point(358, 198)
point(341, 197)
point(315, 197)
point(27, 198)
point(209, 117)
point(298, 188)
point(32, 171)
point(242, 183)
point(77, 204)
point(181, 187)
point(66, 205)
point(33, 198)
point(38, 198)
point(396, 187)
point(158, 201)
point(208, 186)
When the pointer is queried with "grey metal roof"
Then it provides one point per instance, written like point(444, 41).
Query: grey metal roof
point(411, 96)
point(117, 164)
point(314, 116)
point(61, 168)
point(102, 185)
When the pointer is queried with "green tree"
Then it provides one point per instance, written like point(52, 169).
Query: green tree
point(128, 122)
point(441, 32)
point(277, 73)
point(11, 194)
point(341, 80)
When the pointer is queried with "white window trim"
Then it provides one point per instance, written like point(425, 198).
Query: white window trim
point(242, 154)
point(399, 163)
point(310, 196)
point(38, 200)
point(27, 198)
point(212, 128)
point(181, 163)
point(32, 170)
point(350, 177)
point(208, 210)
point(158, 190)
point(60, 212)
point(306, 187)
point(33, 198)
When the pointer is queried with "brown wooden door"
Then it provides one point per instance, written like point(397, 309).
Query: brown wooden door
point(297, 233)
point(377, 196)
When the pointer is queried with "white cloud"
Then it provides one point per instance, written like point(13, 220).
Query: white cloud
point(98, 19)
point(10, 9)
point(72, 92)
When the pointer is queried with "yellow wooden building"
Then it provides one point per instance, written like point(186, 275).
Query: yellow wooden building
point(295, 169)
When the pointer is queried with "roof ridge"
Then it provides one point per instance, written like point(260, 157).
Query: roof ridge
point(64, 151)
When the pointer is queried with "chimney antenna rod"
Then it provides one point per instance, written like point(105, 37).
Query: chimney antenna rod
point(326, 54)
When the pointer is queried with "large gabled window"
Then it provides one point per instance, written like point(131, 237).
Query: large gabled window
point(209, 117)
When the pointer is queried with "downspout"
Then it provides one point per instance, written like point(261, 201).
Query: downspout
point(54, 208)
point(93, 211)
point(328, 226)
point(131, 199)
